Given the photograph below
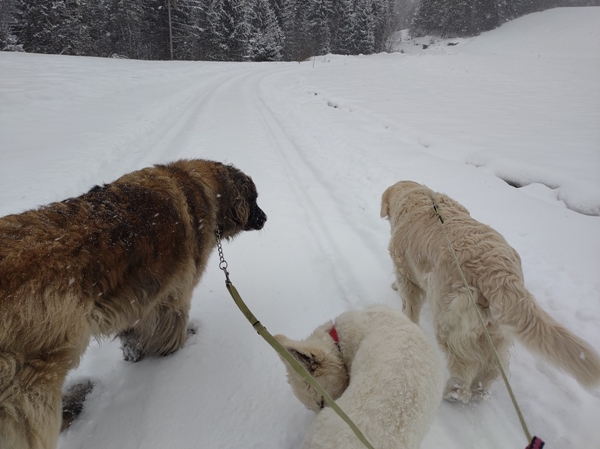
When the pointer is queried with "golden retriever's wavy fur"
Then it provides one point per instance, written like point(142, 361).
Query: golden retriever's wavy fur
point(122, 259)
point(425, 270)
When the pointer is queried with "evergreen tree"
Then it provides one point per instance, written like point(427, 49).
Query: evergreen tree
point(228, 30)
point(79, 28)
point(426, 18)
point(277, 7)
point(205, 17)
point(8, 40)
point(455, 19)
point(364, 27)
point(154, 42)
point(187, 28)
point(38, 26)
point(386, 23)
point(298, 45)
point(343, 26)
point(234, 30)
point(450, 18)
point(319, 32)
point(124, 29)
point(266, 37)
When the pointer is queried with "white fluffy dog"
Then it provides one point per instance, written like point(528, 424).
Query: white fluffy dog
point(426, 270)
point(384, 371)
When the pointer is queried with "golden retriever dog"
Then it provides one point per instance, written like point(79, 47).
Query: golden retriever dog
point(382, 371)
point(426, 270)
point(122, 259)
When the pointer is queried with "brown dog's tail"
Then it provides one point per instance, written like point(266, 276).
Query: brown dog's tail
point(541, 334)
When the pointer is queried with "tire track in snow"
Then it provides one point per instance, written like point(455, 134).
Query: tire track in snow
point(156, 128)
point(174, 135)
point(340, 240)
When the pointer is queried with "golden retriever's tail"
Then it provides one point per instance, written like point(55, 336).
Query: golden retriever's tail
point(541, 334)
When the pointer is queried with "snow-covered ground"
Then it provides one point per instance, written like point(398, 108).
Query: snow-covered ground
point(519, 105)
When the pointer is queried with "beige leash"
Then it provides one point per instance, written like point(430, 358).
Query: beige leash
point(535, 441)
point(262, 331)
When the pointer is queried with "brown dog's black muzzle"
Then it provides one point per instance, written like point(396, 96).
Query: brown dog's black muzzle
point(257, 219)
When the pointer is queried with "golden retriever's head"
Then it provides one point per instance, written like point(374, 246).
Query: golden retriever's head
point(393, 193)
point(322, 358)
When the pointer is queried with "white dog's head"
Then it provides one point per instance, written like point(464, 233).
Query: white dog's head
point(322, 358)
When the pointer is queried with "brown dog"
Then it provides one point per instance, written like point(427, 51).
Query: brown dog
point(425, 270)
point(122, 259)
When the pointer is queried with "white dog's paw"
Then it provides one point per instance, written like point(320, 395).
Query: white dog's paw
point(455, 391)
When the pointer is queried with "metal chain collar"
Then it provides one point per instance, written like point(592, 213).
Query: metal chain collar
point(222, 262)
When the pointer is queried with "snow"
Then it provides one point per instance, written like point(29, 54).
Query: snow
point(323, 139)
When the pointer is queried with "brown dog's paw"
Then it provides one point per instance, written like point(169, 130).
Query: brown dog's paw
point(132, 353)
point(72, 402)
point(192, 329)
point(131, 347)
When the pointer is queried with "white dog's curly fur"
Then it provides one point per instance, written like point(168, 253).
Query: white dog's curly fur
point(384, 371)
point(426, 270)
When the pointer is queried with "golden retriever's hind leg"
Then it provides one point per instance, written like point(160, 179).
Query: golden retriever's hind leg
point(480, 387)
point(162, 332)
point(412, 297)
point(488, 373)
point(462, 363)
point(462, 373)
point(456, 389)
point(459, 334)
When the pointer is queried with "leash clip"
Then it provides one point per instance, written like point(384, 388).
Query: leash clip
point(536, 443)
point(437, 212)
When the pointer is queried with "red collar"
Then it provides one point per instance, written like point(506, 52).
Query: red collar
point(334, 335)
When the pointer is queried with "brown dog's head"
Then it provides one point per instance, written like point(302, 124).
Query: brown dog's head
point(231, 192)
point(323, 360)
point(393, 194)
point(239, 209)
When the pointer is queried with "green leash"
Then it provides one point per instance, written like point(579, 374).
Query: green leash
point(264, 333)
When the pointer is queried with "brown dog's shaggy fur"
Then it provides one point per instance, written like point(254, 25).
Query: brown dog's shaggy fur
point(425, 270)
point(122, 259)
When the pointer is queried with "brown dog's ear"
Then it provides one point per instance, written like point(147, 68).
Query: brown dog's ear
point(385, 203)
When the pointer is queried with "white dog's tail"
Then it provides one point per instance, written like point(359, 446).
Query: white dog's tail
point(541, 334)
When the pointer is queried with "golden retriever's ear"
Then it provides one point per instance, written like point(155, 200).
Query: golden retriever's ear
point(385, 204)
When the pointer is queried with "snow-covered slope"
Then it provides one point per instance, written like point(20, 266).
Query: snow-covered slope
point(322, 140)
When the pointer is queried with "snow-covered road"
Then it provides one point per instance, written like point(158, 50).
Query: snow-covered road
point(322, 140)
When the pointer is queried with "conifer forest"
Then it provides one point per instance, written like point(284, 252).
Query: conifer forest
point(243, 30)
